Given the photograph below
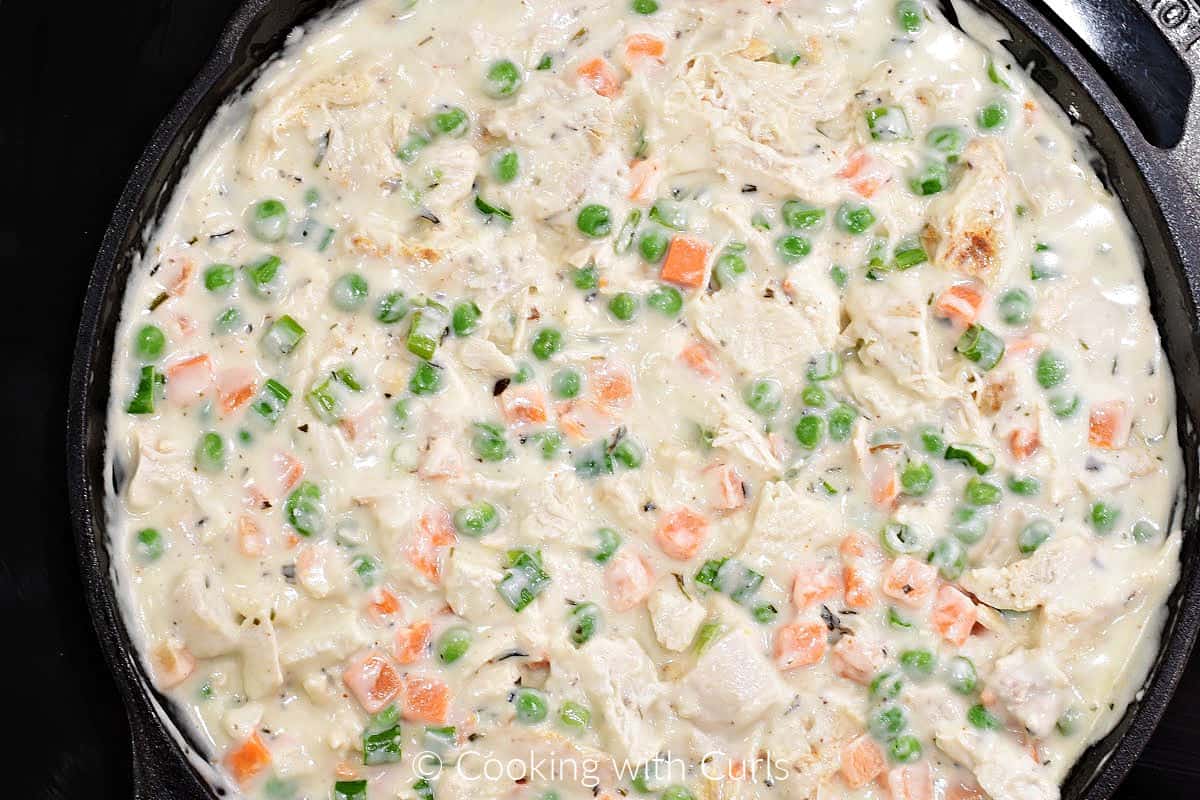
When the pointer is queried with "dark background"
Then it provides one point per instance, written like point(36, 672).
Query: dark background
point(84, 85)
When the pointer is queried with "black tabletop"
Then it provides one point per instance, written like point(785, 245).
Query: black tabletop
point(84, 86)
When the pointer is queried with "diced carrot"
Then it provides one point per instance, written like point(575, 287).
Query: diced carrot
point(628, 579)
point(813, 583)
point(853, 545)
point(186, 325)
point(600, 76)
point(345, 772)
point(700, 358)
point(316, 569)
point(523, 406)
point(643, 179)
point(680, 533)
point(611, 384)
point(433, 534)
point(175, 275)
point(954, 615)
point(252, 543)
point(960, 304)
point(235, 387)
point(866, 187)
point(913, 782)
point(289, 470)
point(411, 641)
point(382, 605)
point(910, 581)
point(686, 262)
point(885, 485)
point(372, 680)
point(857, 587)
point(726, 488)
point(862, 762)
point(855, 162)
point(965, 791)
point(173, 663)
point(583, 420)
point(426, 699)
point(800, 644)
point(188, 379)
point(853, 659)
point(641, 47)
point(1023, 442)
point(248, 759)
point(1109, 424)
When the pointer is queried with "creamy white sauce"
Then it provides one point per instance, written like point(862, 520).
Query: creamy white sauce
point(308, 557)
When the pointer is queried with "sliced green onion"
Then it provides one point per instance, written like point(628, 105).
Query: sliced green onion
point(465, 318)
point(282, 337)
point(1034, 535)
point(854, 218)
point(391, 308)
point(265, 277)
point(507, 166)
point(489, 210)
point(429, 323)
point(608, 544)
point(524, 579)
point(949, 556)
point(426, 379)
point(219, 278)
point(801, 215)
point(271, 401)
point(888, 124)
point(981, 346)
point(670, 214)
point(489, 442)
point(381, 739)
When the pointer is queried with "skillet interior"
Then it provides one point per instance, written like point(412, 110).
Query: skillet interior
point(1161, 207)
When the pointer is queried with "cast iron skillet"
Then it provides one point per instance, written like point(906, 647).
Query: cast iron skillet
point(1133, 96)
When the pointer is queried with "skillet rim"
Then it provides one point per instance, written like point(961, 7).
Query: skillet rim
point(141, 195)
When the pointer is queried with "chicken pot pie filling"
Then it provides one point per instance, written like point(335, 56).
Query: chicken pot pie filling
point(536, 400)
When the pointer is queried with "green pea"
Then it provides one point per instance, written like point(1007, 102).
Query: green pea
point(981, 346)
point(609, 542)
point(210, 453)
point(1069, 721)
point(764, 396)
point(549, 443)
point(809, 431)
point(507, 166)
point(304, 510)
point(149, 342)
point(268, 220)
point(792, 248)
point(1143, 531)
point(149, 544)
point(904, 749)
point(823, 366)
point(391, 308)
point(909, 16)
point(1033, 535)
point(1015, 307)
point(946, 141)
point(854, 218)
point(489, 442)
point(585, 279)
point(594, 220)
point(1051, 369)
point(729, 266)
point(666, 300)
point(764, 613)
point(566, 383)
point(993, 116)
point(451, 122)
point(524, 373)
point(886, 722)
point(584, 621)
point(932, 179)
point(979, 492)
point(574, 716)
point(349, 292)
point(839, 276)
point(653, 245)
point(916, 478)
point(623, 306)
point(464, 319)
point(949, 556)
point(502, 80)
point(981, 718)
point(645, 7)
point(476, 519)
point(400, 413)
point(886, 685)
point(265, 277)
point(930, 440)
point(841, 421)
point(1024, 485)
point(426, 379)
point(898, 538)
point(531, 706)
point(1103, 517)
point(546, 342)
point(629, 452)
point(1064, 405)
point(800, 215)
point(219, 277)
point(453, 644)
point(961, 675)
point(917, 664)
point(228, 320)
point(677, 792)
point(813, 396)
point(968, 524)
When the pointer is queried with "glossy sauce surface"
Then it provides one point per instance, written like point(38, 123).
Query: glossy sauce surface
point(763, 391)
